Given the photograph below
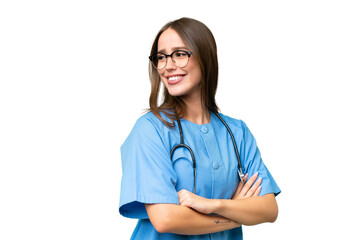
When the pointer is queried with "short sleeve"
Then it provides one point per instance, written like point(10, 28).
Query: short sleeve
point(253, 163)
point(148, 175)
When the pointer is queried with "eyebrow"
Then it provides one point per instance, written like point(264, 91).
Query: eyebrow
point(175, 48)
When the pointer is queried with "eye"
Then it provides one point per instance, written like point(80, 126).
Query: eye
point(180, 54)
point(160, 57)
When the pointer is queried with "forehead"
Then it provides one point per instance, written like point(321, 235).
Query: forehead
point(169, 41)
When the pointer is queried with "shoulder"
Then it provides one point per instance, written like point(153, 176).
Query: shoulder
point(148, 125)
point(147, 128)
point(234, 123)
point(240, 129)
point(149, 120)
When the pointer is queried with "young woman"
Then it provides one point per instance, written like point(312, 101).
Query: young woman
point(195, 190)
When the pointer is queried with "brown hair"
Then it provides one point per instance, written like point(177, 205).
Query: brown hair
point(199, 39)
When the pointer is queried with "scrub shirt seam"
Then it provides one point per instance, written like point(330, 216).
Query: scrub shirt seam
point(161, 136)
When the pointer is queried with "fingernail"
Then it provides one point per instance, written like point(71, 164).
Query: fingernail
point(259, 180)
point(256, 173)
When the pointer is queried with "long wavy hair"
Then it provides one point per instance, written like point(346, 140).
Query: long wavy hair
point(199, 39)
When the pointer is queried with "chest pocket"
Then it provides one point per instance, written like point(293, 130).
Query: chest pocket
point(183, 166)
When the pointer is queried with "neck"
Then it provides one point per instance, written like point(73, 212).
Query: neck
point(195, 111)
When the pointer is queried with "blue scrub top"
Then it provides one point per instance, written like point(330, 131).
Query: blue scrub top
point(150, 176)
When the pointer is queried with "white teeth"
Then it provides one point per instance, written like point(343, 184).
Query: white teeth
point(174, 78)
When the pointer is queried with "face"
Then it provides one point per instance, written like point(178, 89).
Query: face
point(185, 81)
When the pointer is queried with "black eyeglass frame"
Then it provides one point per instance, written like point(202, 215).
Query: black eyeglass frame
point(170, 55)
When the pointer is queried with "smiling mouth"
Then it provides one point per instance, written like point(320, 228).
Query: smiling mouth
point(175, 79)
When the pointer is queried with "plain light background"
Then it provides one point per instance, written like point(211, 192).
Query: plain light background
point(74, 80)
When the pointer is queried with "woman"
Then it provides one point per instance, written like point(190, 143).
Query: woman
point(173, 195)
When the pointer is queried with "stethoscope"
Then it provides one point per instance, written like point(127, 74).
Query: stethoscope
point(241, 174)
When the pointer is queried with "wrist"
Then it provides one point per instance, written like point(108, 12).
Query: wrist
point(237, 224)
point(217, 203)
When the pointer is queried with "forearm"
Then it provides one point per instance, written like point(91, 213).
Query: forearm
point(248, 211)
point(183, 220)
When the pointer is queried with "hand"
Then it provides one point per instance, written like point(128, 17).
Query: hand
point(191, 200)
point(244, 190)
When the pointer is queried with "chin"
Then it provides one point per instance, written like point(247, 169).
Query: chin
point(175, 91)
point(175, 94)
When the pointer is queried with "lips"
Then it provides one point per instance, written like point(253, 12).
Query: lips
point(174, 79)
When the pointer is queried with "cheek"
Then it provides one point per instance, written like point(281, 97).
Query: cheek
point(162, 78)
point(160, 73)
point(196, 75)
point(195, 71)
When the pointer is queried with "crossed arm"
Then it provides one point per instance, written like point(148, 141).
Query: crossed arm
point(192, 217)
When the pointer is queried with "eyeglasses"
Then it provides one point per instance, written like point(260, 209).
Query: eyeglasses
point(179, 57)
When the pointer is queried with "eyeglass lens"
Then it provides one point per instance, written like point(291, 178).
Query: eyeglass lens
point(180, 59)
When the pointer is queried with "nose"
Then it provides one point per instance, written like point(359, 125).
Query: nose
point(170, 65)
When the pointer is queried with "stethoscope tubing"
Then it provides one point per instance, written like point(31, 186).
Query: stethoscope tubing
point(241, 174)
point(182, 144)
point(192, 157)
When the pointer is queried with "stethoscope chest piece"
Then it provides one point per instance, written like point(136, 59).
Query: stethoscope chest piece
point(241, 176)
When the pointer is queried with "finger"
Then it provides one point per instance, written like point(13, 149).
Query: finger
point(184, 201)
point(186, 197)
point(248, 184)
point(181, 196)
point(241, 184)
point(253, 188)
point(245, 178)
point(239, 187)
point(257, 192)
point(180, 199)
point(182, 193)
